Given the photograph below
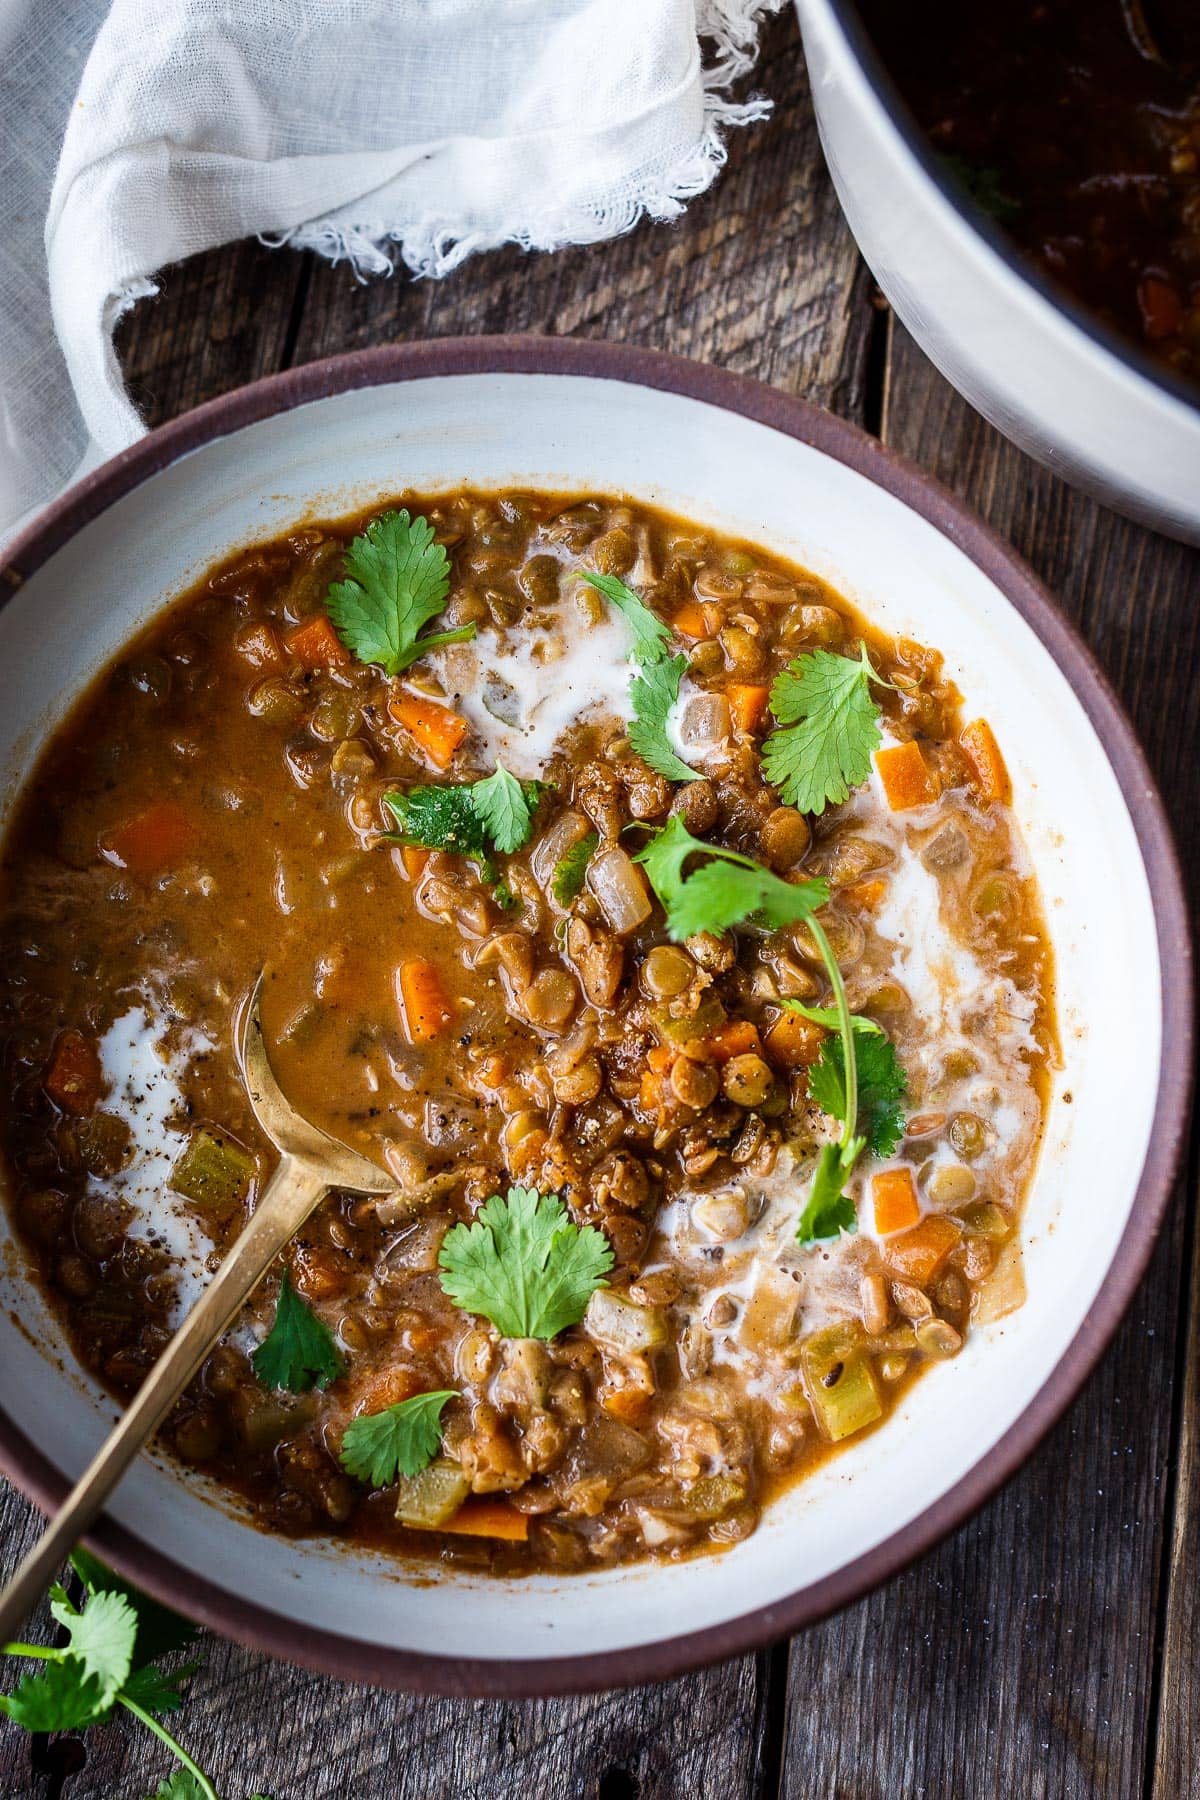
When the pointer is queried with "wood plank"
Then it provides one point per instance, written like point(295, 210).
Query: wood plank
point(1176, 1768)
point(760, 275)
point(1019, 1657)
point(218, 321)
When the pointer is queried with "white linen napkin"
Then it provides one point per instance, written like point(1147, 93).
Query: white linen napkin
point(422, 130)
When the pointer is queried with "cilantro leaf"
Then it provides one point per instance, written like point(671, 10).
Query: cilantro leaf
point(828, 1210)
point(66, 1695)
point(832, 723)
point(727, 890)
point(159, 1630)
point(402, 1439)
point(882, 1086)
point(829, 1017)
point(723, 894)
point(650, 635)
point(181, 1784)
point(469, 817)
point(397, 578)
point(102, 1637)
point(157, 1690)
point(653, 692)
point(570, 869)
point(299, 1350)
point(524, 1264)
point(505, 807)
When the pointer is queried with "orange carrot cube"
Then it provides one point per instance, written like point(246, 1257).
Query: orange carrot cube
point(918, 1254)
point(989, 774)
point(317, 645)
point(905, 776)
point(74, 1078)
point(151, 841)
point(894, 1196)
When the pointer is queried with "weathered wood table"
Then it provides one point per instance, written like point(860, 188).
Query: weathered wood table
point(1052, 1647)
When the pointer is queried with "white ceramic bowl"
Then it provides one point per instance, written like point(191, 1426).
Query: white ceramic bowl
point(1069, 390)
point(332, 437)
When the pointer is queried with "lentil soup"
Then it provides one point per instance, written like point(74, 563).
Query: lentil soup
point(753, 1131)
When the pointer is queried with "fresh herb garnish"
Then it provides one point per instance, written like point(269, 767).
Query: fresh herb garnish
point(298, 1352)
point(401, 1440)
point(859, 1082)
point(729, 889)
point(470, 818)
point(650, 635)
point(654, 689)
point(110, 1659)
point(397, 578)
point(505, 808)
point(831, 729)
point(882, 1083)
point(524, 1264)
point(570, 870)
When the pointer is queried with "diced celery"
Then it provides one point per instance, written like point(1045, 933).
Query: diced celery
point(266, 1421)
point(700, 1023)
point(213, 1173)
point(713, 1496)
point(988, 1220)
point(841, 1382)
point(619, 1324)
point(427, 1500)
point(430, 1498)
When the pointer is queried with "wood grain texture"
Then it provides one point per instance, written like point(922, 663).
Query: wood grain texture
point(1049, 1649)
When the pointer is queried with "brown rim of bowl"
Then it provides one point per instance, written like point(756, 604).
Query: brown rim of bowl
point(351, 1659)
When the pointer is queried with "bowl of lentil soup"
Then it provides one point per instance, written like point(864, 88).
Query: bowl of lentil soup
point(687, 850)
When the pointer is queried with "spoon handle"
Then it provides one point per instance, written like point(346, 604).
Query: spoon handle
point(289, 1197)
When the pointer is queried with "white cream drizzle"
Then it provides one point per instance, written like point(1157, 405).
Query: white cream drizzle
point(143, 1080)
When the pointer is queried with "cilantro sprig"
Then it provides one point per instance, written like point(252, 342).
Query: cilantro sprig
point(524, 1264)
point(299, 1351)
point(115, 1643)
point(728, 890)
point(654, 689)
point(400, 1440)
point(471, 818)
point(397, 578)
point(858, 1079)
point(831, 727)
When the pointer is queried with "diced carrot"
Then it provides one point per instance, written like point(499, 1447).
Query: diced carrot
point(317, 645)
point(747, 704)
point(894, 1195)
point(318, 1271)
point(386, 1389)
point(691, 621)
point(258, 645)
point(1161, 307)
point(74, 1078)
point(151, 841)
point(737, 1037)
point(484, 1517)
point(628, 1404)
point(918, 1254)
point(650, 1093)
point(660, 1057)
point(437, 729)
point(866, 894)
point(987, 765)
point(424, 1003)
point(414, 857)
point(527, 1153)
point(793, 1042)
point(906, 779)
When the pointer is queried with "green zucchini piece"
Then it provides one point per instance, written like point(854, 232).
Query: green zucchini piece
point(213, 1173)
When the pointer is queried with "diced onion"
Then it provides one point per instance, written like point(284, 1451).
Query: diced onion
point(618, 886)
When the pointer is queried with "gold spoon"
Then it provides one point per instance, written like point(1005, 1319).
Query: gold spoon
point(310, 1164)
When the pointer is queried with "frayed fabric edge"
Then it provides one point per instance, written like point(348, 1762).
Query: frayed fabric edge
point(436, 247)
